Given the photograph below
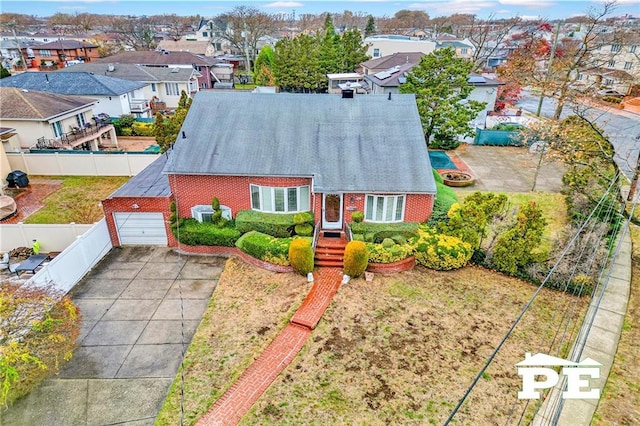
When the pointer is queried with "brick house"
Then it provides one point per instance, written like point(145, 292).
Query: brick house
point(286, 153)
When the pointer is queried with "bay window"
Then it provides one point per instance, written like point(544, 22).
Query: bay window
point(280, 199)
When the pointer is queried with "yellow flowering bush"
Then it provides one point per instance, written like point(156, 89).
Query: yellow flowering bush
point(441, 252)
point(380, 254)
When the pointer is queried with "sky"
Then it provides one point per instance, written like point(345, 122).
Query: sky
point(550, 9)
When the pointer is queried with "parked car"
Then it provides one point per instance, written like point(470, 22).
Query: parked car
point(610, 92)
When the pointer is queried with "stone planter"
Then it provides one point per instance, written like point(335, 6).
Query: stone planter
point(457, 179)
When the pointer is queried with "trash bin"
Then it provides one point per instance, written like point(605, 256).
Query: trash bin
point(17, 178)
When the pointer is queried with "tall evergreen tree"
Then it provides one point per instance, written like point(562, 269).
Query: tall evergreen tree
point(440, 84)
point(263, 72)
point(370, 29)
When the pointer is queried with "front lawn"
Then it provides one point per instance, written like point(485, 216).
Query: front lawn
point(399, 350)
point(78, 200)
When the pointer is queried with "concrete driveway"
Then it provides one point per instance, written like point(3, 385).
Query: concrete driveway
point(130, 345)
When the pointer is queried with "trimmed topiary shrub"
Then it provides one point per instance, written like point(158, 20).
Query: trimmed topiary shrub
point(358, 237)
point(357, 216)
point(215, 203)
point(276, 225)
point(380, 254)
point(304, 230)
point(441, 252)
point(265, 247)
point(303, 218)
point(355, 258)
point(301, 255)
point(388, 242)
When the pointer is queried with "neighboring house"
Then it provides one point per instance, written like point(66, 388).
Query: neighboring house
point(163, 84)
point(619, 66)
point(341, 80)
point(196, 47)
point(385, 45)
point(40, 120)
point(463, 48)
point(390, 80)
point(62, 53)
point(297, 152)
point(384, 63)
point(114, 96)
point(14, 52)
point(166, 60)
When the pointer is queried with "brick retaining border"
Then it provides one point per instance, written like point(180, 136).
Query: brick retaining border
point(391, 268)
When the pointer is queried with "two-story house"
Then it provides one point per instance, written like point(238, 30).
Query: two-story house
point(40, 120)
point(114, 96)
point(62, 53)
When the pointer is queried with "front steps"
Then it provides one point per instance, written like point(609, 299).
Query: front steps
point(330, 249)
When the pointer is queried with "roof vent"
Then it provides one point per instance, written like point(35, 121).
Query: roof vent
point(111, 68)
point(175, 69)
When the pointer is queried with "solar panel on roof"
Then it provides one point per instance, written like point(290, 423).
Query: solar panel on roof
point(382, 75)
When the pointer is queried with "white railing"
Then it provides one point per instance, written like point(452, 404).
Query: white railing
point(80, 163)
point(68, 268)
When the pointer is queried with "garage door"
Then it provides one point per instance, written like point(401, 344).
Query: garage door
point(141, 228)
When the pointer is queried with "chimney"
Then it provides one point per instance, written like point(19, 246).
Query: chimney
point(347, 93)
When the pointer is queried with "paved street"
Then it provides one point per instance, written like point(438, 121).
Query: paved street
point(621, 126)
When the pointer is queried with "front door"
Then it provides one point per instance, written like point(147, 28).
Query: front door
point(332, 211)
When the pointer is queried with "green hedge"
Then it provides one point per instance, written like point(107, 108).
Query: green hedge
point(279, 225)
point(377, 232)
point(267, 248)
point(380, 254)
point(194, 233)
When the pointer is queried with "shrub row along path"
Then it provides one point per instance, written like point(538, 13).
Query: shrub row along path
point(241, 396)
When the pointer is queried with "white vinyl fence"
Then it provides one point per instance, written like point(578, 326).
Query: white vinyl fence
point(79, 163)
point(50, 237)
point(68, 268)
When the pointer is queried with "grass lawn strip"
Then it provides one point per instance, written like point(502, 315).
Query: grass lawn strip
point(78, 199)
point(249, 308)
point(620, 400)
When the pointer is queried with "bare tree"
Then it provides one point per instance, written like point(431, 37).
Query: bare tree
point(137, 32)
point(487, 36)
point(245, 26)
point(177, 26)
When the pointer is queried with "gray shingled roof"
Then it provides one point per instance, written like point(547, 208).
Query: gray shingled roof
point(83, 84)
point(152, 57)
point(364, 144)
point(133, 72)
point(20, 104)
point(67, 44)
point(150, 182)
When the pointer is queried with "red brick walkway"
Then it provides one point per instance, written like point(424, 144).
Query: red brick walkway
point(30, 199)
point(236, 401)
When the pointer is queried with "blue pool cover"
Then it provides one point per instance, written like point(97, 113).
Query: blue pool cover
point(440, 160)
